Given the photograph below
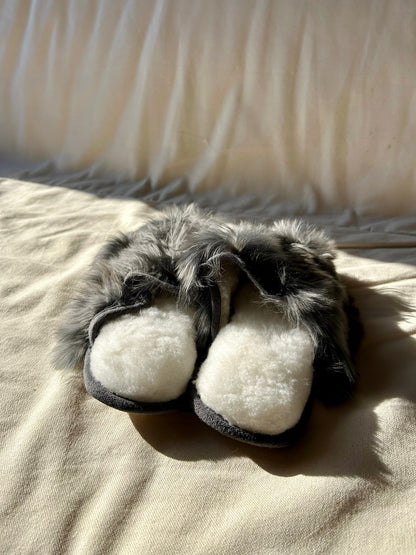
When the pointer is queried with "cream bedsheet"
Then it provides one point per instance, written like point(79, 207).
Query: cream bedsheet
point(79, 477)
point(109, 110)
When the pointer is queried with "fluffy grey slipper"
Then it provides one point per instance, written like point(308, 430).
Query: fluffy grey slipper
point(290, 335)
point(139, 337)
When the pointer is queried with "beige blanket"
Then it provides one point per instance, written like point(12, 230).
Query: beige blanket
point(79, 477)
point(269, 108)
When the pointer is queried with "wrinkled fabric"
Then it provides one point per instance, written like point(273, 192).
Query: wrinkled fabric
point(79, 477)
point(110, 110)
point(308, 99)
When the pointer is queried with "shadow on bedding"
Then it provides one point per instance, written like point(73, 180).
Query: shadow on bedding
point(374, 234)
point(382, 238)
point(347, 440)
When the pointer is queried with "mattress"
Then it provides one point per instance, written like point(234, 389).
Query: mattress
point(111, 110)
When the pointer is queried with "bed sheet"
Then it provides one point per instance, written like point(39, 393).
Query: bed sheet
point(79, 477)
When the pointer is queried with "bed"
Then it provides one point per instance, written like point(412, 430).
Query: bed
point(112, 110)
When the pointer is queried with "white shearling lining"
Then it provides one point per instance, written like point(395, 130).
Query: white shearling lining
point(258, 373)
point(147, 356)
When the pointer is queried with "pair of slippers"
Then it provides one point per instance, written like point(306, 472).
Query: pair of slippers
point(243, 324)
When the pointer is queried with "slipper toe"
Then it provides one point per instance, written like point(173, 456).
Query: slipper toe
point(259, 370)
point(146, 358)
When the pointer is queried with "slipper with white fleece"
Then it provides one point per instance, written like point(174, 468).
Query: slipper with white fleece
point(290, 338)
point(255, 384)
point(140, 341)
